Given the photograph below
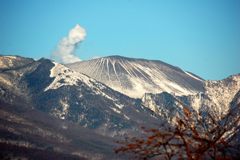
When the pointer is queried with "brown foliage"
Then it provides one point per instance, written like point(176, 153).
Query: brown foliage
point(193, 138)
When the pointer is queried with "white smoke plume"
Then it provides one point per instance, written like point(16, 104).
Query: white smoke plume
point(66, 47)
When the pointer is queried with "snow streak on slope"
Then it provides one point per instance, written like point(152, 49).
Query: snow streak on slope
point(134, 77)
point(195, 77)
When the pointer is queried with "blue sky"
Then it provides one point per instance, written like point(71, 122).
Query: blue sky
point(199, 36)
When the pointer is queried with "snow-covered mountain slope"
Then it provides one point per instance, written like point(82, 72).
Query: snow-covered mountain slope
point(12, 68)
point(215, 99)
point(69, 95)
point(219, 94)
point(164, 104)
point(134, 77)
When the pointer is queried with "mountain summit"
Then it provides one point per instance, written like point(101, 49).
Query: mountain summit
point(135, 77)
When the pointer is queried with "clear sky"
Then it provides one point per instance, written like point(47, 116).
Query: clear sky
point(201, 36)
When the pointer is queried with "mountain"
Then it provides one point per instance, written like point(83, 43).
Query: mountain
point(57, 90)
point(135, 77)
point(61, 111)
point(163, 88)
point(43, 89)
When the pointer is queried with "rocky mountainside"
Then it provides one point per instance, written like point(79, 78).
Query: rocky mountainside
point(216, 99)
point(10, 62)
point(66, 94)
point(135, 77)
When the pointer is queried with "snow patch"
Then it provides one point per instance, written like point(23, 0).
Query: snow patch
point(116, 110)
point(120, 106)
point(125, 116)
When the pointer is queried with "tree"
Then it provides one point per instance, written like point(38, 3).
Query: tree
point(193, 137)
